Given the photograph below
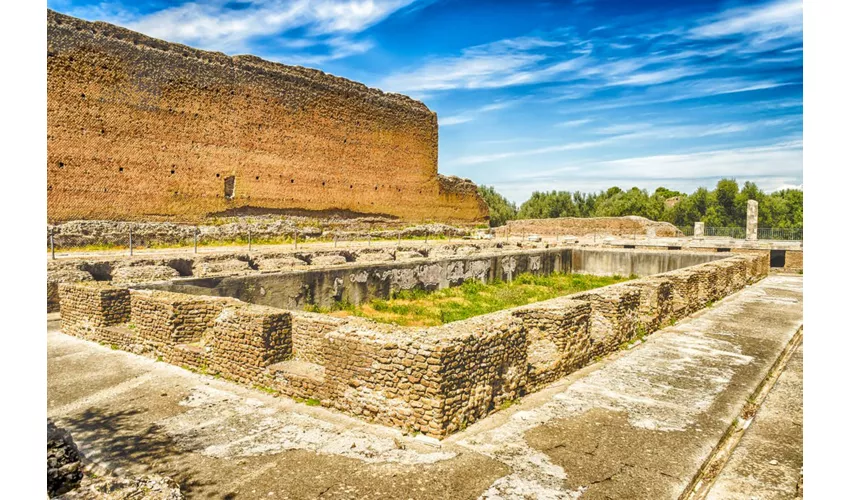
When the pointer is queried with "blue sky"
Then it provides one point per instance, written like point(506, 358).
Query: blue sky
point(568, 95)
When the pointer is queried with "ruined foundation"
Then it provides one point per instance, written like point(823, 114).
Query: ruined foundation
point(434, 380)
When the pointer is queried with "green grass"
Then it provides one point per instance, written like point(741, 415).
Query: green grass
point(308, 401)
point(267, 390)
point(473, 298)
point(508, 403)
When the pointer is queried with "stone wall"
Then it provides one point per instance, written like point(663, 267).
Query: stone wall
point(584, 226)
point(142, 268)
point(142, 129)
point(220, 335)
point(433, 380)
point(558, 336)
point(628, 262)
point(246, 339)
point(62, 276)
point(223, 230)
point(90, 306)
point(794, 260)
point(378, 277)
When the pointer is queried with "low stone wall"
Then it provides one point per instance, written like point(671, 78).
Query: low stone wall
point(583, 226)
point(246, 339)
point(221, 335)
point(84, 233)
point(628, 262)
point(794, 260)
point(433, 380)
point(558, 336)
point(143, 269)
point(89, 306)
point(54, 278)
point(356, 283)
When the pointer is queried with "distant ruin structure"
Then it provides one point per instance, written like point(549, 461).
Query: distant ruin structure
point(629, 225)
point(142, 129)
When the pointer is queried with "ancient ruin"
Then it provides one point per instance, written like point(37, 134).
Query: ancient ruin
point(141, 129)
point(431, 380)
point(577, 226)
point(230, 371)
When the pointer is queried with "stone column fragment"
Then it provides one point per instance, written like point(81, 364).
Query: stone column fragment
point(752, 220)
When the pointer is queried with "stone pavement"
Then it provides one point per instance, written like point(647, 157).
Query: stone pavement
point(768, 461)
point(638, 425)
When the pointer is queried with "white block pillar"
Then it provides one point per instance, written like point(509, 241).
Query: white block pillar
point(699, 229)
point(752, 220)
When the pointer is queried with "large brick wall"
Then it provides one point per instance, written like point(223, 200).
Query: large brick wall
point(142, 129)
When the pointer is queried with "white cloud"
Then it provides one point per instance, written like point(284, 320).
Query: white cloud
point(629, 132)
point(772, 167)
point(656, 77)
point(772, 160)
point(473, 114)
point(503, 63)
point(574, 123)
point(766, 21)
point(216, 25)
point(475, 159)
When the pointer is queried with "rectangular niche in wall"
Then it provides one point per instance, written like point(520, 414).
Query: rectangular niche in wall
point(777, 258)
point(229, 187)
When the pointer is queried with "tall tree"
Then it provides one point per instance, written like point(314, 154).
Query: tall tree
point(501, 210)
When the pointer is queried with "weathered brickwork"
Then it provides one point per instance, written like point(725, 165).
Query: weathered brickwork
point(794, 260)
point(558, 336)
point(173, 318)
point(613, 319)
point(142, 129)
point(62, 276)
point(583, 226)
point(89, 306)
point(433, 380)
point(308, 329)
point(248, 338)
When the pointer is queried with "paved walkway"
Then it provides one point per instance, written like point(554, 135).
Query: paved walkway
point(638, 425)
point(768, 461)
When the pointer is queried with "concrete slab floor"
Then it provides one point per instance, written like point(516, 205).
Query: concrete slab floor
point(768, 462)
point(638, 425)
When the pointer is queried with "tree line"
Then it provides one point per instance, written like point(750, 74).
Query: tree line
point(724, 206)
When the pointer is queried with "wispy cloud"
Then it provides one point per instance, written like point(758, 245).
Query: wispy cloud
point(777, 159)
point(606, 57)
point(234, 27)
point(619, 133)
point(574, 123)
point(503, 63)
point(774, 166)
point(473, 114)
point(571, 146)
point(766, 22)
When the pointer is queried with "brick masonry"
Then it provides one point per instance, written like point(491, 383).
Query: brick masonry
point(142, 129)
point(433, 380)
point(583, 226)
